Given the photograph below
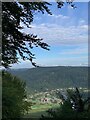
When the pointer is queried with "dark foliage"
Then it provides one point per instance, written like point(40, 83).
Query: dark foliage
point(77, 101)
point(61, 3)
point(13, 95)
point(13, 40)
point(73, 108)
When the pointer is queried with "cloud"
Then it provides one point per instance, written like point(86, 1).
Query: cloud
point(59, 16)
point(77, 56)
point(85, 27)
point(75, 51)
point(22, 64)
point(56, 35)
point(70, 61)
point(81, 22)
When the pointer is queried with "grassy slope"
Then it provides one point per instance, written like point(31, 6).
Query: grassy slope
point(38, 110)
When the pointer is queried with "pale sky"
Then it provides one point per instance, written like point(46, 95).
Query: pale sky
point(66, 31)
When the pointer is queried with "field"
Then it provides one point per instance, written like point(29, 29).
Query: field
point(38, 110)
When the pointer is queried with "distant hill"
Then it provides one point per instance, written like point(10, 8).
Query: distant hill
point(43, 78)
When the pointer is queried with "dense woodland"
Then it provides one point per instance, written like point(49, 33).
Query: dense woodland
point(53, 77)
point(13, 93)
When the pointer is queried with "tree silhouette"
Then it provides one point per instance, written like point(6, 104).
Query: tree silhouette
point(15, 42)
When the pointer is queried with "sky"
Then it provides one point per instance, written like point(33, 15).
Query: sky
point(66, 32)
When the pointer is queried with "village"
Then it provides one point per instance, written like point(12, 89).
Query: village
point(49, 99)
point(50, 96)
point(46, 97)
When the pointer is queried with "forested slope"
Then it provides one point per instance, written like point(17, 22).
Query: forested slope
point(43, 78)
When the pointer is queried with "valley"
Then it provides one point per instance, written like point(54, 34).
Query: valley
point(43, 101)
point(46, 85)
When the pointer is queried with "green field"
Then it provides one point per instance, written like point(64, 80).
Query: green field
point(37, 110)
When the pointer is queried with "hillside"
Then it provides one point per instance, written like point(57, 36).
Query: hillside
point(43, 78)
